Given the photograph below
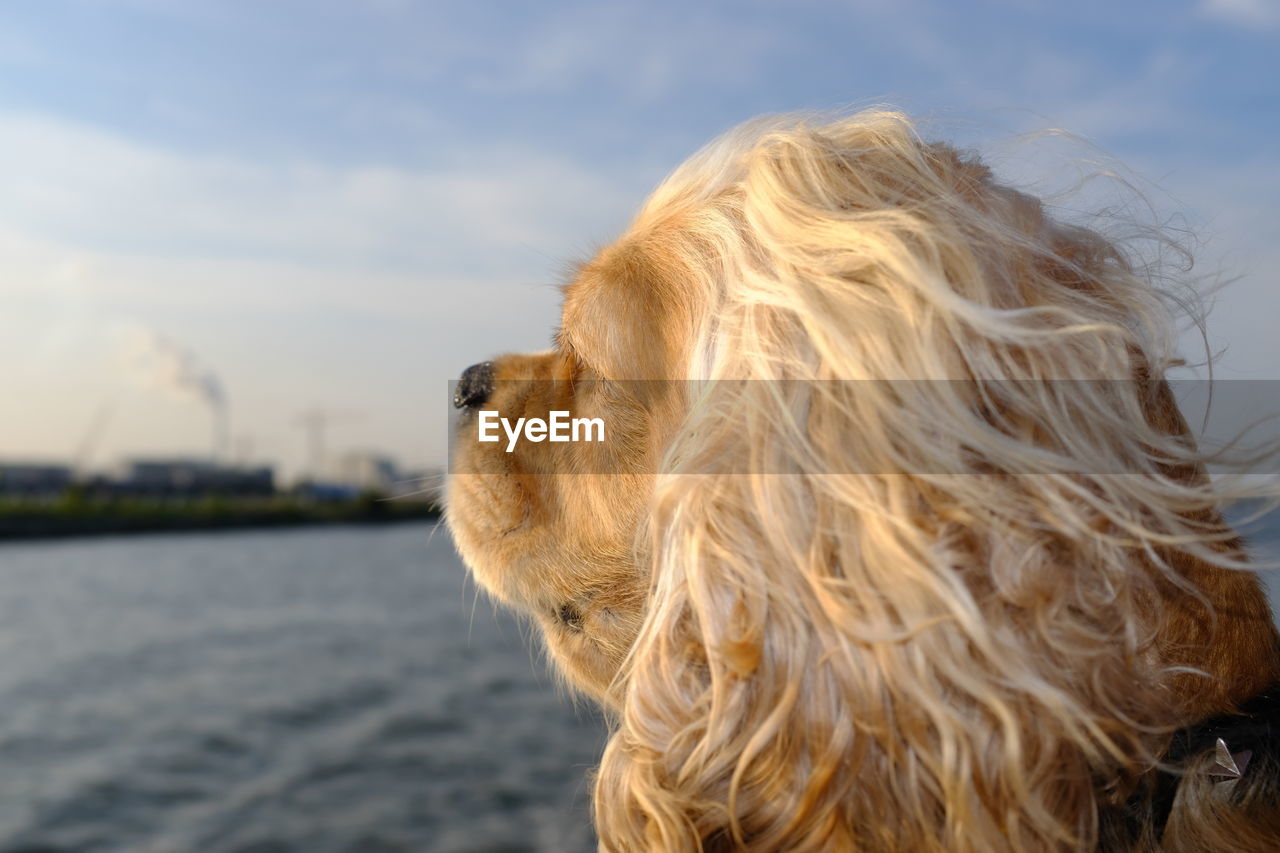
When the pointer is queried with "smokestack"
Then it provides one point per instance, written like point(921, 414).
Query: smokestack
point(221, 427)
point(168, 367)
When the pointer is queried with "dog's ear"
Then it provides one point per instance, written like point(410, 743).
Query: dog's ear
point(894, 613)
point(827, 650)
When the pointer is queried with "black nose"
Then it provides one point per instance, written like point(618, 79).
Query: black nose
point(475, 386)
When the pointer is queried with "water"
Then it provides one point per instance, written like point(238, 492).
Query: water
point(321, 689)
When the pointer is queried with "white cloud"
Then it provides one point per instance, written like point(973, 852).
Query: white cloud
point(81, 186)
point(1244, 13)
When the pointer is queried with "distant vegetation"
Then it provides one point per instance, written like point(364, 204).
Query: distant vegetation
point(79, 512)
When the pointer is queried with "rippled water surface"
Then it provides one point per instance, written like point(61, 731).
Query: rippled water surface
point(320, 689)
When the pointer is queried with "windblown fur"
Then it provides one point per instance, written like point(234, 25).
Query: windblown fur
point(992, 578)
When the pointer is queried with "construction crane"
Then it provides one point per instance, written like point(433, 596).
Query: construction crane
point(92, 437)
point(316, 422)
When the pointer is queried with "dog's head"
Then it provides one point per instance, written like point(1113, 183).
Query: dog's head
point(552, 528)
point(846, 566)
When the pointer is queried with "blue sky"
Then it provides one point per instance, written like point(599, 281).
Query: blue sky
point(344, 204)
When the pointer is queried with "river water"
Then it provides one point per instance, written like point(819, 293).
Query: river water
point(312, 690)
point(318, 689)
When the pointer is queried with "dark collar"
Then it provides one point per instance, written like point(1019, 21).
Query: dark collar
point(1255, 726)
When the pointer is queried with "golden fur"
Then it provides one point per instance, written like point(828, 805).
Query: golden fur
point(950, 623)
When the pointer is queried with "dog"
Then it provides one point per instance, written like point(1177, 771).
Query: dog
point(897, 541)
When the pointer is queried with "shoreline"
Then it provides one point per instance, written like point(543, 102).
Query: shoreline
point(22, 523)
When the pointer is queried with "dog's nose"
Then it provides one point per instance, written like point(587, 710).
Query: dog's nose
point(475, 386)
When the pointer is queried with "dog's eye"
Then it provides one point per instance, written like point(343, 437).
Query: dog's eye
point(570, 616)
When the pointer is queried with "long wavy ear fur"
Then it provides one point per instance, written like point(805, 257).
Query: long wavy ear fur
point(942, 630)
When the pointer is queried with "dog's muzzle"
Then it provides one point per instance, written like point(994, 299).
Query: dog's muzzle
point(474, 386)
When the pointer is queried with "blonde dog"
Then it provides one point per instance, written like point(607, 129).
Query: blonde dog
point(897, 539)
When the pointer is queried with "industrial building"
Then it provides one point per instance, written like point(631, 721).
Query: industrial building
point(30, 480)
point(176, 477)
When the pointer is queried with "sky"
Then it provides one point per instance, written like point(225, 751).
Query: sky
point(272, 207)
